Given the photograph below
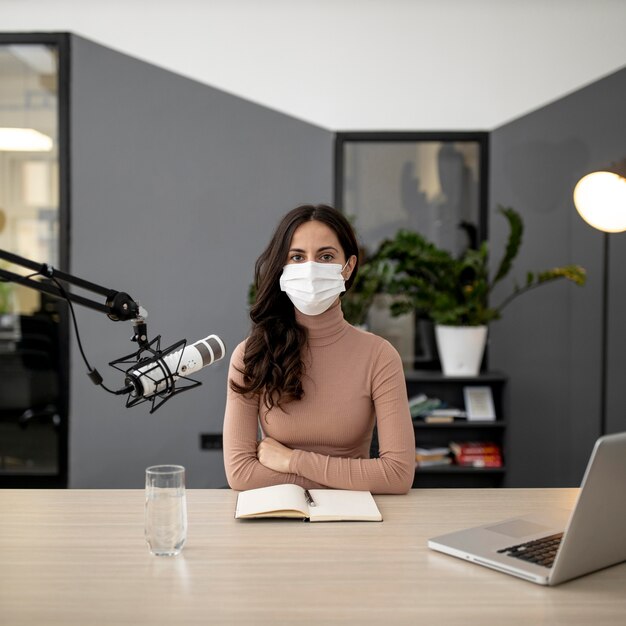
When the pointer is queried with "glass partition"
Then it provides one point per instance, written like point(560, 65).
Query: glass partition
point(32, 428)
point(432, 183)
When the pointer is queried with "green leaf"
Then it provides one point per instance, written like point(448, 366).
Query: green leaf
point(574, 273)
point(431, 282)
point(516, 230)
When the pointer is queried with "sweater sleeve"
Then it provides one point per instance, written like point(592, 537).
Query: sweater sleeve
point(393, 471)
point(243, 469)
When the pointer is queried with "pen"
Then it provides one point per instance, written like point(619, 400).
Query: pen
point(309, 498)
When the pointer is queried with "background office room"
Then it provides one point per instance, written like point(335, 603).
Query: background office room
point(159, 145)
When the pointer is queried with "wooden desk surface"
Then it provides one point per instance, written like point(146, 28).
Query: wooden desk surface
point(79, 557)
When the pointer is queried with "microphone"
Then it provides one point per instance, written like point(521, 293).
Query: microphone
point(159, 374)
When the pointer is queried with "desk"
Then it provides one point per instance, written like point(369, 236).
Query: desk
point(79, 557)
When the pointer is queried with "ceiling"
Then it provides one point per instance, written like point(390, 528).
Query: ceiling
point(361, 64)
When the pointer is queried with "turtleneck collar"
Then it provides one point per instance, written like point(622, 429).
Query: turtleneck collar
point(325, 328)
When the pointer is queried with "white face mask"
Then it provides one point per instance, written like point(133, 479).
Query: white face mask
point(311, 286)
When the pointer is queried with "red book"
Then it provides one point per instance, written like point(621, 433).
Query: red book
point(474, 447)
point(479, 460)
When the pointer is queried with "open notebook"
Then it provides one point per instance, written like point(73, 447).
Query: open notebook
point(321, 505)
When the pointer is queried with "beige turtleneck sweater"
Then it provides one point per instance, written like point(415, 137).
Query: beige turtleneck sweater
point(353, 380)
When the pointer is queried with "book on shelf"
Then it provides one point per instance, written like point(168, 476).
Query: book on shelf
point(446, 460)
point(476, 453)
point(437, 419)
point(474, 447)
point(432, 450)
point(442, 418)
point(477, 460)
point(315, 505)
point(439, 414)
point(421, 404)
point(429, 457)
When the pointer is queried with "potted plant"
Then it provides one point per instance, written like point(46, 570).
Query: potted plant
point(371, 279)
point(454, 292)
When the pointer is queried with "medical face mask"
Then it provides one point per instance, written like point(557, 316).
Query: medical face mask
point(311, 286)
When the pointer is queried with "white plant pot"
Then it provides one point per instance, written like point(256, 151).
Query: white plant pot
point(461, 349)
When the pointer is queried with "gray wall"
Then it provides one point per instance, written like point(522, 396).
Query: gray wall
point(549, 340)
point(175, 190)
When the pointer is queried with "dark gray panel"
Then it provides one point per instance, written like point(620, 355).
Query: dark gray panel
point(176, 188)
point(549, 340)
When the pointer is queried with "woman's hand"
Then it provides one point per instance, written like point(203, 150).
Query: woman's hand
point(274, 455)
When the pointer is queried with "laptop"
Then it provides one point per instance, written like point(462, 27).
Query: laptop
point(554, 546)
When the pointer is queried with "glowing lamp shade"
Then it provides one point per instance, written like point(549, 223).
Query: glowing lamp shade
point(600, 198)
point(24, 140)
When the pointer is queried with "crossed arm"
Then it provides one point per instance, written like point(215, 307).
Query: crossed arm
point(251, 463)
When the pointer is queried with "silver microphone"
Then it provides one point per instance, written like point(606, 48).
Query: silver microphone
point(159, 374)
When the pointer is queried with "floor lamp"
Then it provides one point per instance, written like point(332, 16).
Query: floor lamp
point(600, 199)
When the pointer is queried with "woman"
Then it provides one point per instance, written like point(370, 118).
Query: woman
point(314, 384)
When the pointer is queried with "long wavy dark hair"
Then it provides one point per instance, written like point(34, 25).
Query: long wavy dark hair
point(272, 363)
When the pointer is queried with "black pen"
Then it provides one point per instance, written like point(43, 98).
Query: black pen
point(309, 498)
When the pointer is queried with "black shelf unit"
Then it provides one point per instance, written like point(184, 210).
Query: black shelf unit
point(450, 390)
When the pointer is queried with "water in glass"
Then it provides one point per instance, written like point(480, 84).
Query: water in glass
point(166, 511)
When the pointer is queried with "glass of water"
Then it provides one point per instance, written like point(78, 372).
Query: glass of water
point(166, 509)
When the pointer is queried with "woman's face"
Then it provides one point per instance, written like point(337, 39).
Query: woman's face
point(315, 241)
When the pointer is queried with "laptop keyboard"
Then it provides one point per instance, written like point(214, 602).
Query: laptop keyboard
point(540, 551)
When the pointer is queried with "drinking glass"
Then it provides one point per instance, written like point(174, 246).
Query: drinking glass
point(166, 509)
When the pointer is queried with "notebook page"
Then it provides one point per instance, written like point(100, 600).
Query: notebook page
point(341, 504)
point(267, 499)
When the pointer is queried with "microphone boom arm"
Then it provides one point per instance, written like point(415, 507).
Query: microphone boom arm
point(119, 306)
